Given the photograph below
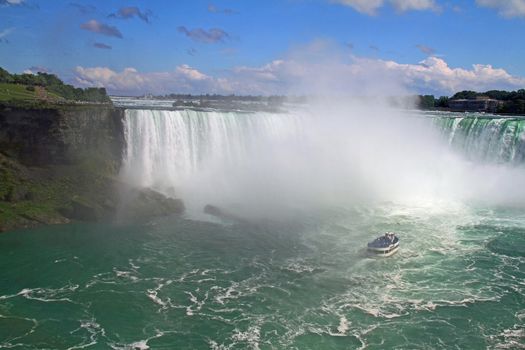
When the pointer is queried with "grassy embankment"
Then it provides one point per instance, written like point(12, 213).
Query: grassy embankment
point(18, 94)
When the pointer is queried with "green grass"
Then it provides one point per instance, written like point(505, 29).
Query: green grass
point(17, 92)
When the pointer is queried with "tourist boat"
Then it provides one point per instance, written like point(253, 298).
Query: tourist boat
point(385, 245)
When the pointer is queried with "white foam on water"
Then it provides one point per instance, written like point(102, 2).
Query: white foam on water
point(343, 326)
point(197, 304)
point(94, 330)
point(140, 344)
point(251, 336)
point(153, 295)
point(512, 338)
point(126, 275)
point(298, 266)
point(44, 294)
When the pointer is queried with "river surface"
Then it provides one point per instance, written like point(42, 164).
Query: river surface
point(458, 281)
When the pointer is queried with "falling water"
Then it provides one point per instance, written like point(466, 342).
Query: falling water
point(486, 139)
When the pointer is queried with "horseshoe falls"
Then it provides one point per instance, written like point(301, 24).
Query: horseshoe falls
point(287, 268)
point(486, 139)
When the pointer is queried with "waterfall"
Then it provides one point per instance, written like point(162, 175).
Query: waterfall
point(321, 157)
point(167, 150)
point(500, 140)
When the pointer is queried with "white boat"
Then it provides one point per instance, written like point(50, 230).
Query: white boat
point(385, 245)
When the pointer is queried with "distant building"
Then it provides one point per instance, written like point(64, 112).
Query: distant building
point(480, 104)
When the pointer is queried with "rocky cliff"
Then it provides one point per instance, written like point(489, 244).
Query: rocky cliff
point(62, 135)
point(61, 163)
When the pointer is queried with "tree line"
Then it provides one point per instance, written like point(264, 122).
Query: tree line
point(53, 84)
point(512, 102)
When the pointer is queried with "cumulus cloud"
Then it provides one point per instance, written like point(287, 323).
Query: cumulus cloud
point(435, 75)
point(213, 35)
point(427, 50)
point(102, 46)
point(184, 79)
point(370, 7)
point(295, 75)
point(506, 8)
point(101, 28)
point(132, 11)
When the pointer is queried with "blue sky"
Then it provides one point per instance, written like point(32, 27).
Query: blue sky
point(248, 46)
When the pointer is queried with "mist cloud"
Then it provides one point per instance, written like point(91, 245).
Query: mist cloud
point(101, 28)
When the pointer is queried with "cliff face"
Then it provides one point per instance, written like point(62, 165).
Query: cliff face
point(62, 135)
point(59, 164)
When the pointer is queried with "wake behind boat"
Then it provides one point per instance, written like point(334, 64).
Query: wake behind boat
point(385, 245)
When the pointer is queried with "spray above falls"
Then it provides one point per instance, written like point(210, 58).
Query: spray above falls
point(319, 156)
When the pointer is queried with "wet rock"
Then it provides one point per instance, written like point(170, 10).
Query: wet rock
point(141, 204)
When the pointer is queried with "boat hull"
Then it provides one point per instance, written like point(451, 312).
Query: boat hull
point(381, 252)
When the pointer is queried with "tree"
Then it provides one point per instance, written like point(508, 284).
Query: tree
point(5, 77)
point(465, 94)
point(442, 102)
point(426, 101)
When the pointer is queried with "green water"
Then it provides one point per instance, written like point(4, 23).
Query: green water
point(304, 282)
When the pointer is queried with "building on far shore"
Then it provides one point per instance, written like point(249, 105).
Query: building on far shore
point(480, 104)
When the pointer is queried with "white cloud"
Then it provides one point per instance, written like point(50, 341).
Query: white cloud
point(11, 2)
point(507, 8)
point(130, 81)
point(365, 6)
point(355, 76)
point(435, 75)
point(190, 73)
point(417, 5)
point(370, 7)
